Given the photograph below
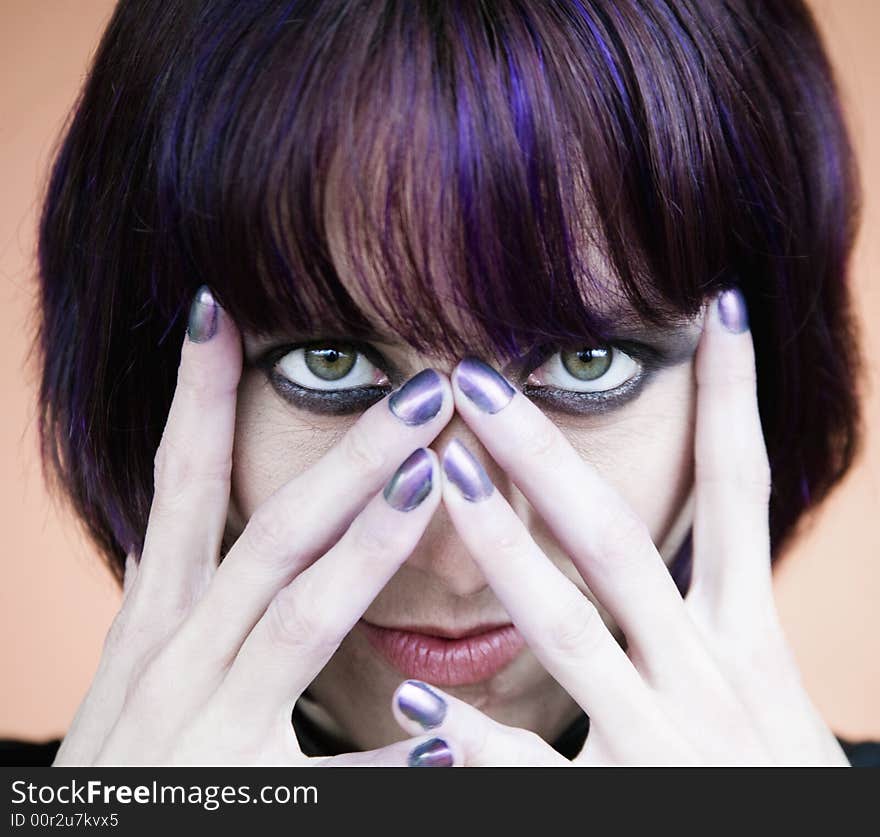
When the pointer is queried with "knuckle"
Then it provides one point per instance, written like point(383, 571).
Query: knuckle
point(623, 540)
point(372, 543)
point(129, 634)
point(267, 533)
point(513, 546)
point(737, 378)
point(731, 377)
point(194, 381)
point(202, 379)
point(543, 443)
point(296, 621)
point(169, 466)
point(362, 454)
point(576, 628)
point(176, 471)
point(151, 685)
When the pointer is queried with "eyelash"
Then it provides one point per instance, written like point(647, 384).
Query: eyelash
point(358, 399)
point(330, 402)
point(649, 360)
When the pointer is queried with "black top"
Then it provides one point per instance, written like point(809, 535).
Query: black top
point(314, 742)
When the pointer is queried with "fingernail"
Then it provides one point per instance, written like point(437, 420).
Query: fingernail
point(483, 385)
point(432, 753)
point(465, 473)
point(421, 704)
point(732, 310)
point(202, 324)
point(419, 399)
point(411, 482)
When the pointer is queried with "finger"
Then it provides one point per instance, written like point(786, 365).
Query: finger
point(421, 751)
point(309, 618)
point(307, 515)
point(731, 590)
point(731, 532)
point(479, 740)
point(560, 624)
point(129, 575)
point(608, 543)
point(193, 461)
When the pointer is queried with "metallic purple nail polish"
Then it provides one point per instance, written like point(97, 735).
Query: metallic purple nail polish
point(421, 704)
point(419, 399)
point(202, 325)
point(483, 385)
point(411, 483)
point(733, 311)
point(433, 753)
point(465, 473)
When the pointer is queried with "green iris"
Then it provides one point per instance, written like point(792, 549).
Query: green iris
point(330, 363)
point(587, 364)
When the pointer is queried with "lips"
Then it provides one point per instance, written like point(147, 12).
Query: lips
point(431, 654)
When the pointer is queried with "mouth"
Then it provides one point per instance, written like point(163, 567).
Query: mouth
point(443, 656)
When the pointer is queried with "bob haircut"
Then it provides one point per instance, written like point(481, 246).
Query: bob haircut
point(517, 164)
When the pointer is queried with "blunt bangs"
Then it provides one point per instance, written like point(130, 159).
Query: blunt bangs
point(471, 176)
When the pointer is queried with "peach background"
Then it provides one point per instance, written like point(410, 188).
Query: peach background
point(57, 600)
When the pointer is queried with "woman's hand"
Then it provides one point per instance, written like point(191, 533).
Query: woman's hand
point(705, 680)
point(204, 663)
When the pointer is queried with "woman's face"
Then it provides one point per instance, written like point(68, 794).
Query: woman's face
point(643, 447)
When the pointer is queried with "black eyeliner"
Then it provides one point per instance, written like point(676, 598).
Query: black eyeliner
point(580, 403)
point(333, 402)
point(327, 402)
point(650, 361)
point(357, 399)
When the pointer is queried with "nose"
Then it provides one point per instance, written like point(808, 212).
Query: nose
point(441, 553)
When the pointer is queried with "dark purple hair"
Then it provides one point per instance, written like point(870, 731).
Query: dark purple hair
point(512, 163)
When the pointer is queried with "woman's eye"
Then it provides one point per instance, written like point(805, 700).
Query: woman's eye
point(329, 366)
point(587, 369)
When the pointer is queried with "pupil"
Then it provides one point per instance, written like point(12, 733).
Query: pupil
point(330, 363)
point(587, 364)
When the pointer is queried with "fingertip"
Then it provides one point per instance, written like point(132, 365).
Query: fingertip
point(208, 321)
point(720, 359)
point(432, 752)
point(463, 471)
point(435, 494)
point(435, 465)
point(414, 483)
point(211, 355)
point(416, 706)
point(730, 311)
point(478, 386)
point(425, 398)
point(204, 312)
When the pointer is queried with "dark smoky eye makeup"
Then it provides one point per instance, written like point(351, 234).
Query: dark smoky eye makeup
point(649, 359)
point(579, 403)
point(343, 401)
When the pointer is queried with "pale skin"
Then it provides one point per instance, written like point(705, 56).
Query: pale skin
point(204, 663)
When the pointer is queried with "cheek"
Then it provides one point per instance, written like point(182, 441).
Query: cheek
point(274, 442)
point(646, 452)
